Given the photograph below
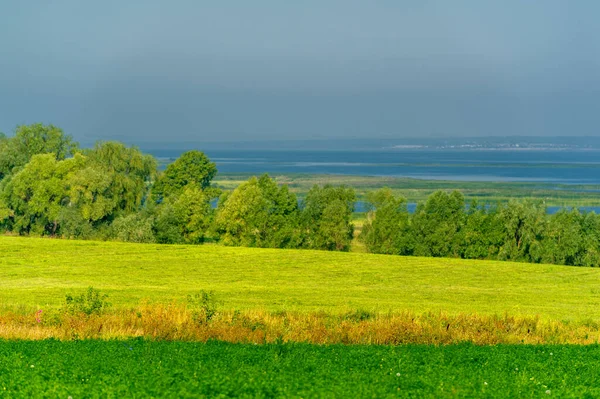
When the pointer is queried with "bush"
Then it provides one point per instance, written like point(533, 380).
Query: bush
point(133, 228)
point(74, 225)
point(166, 225)
point(203, 306)
point(92, 302)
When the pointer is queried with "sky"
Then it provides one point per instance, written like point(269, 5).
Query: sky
point(208, 71)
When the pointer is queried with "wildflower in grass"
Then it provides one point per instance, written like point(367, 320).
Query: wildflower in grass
point(397, 374)
point(548, 392)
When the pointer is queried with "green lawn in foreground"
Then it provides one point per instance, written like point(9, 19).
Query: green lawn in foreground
point(137, 368)
point(39, 272)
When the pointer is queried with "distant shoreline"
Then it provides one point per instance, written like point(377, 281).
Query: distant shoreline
point(417, 148)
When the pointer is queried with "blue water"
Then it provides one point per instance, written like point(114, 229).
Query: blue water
point(550, 167)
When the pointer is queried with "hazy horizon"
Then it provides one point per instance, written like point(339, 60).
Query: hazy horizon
point(187, 71)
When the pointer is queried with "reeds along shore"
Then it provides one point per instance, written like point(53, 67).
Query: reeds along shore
point(179, 322)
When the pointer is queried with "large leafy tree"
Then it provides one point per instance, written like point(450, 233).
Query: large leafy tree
point(326, 218)
point(282, 211)
point(37, 193)
point(194, 213)
point(184, 218)
point(183, 195)
point(118, 179)
point(89, 191)
point(524, 225)
point(590, 230)
point(192, 167)
point(258, 213)
point(386, 230)
point(29, 140)
point(437, 224)
point(483, 232)
point(563, 239)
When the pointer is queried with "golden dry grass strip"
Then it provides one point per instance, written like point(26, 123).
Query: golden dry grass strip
point(177, 322)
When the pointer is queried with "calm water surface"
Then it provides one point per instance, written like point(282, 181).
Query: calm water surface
point(559, 167)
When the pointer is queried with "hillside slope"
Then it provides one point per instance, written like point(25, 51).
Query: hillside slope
point(39, 272)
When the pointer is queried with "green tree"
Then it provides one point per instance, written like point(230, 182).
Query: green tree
point(193, 214)
point(90, 192)
point(37, 193)
point(483, 233)
point(113, 182)
point(30, 140)
point(127, 172)
point(167, 226)
point(563, 240)
point(524, 226)
point(258, 214)
point(437, 225)
point(282, 211)
point(326, 218)
point(192, 167)
point(77, 195)
point(386, 230)
point(590, 230)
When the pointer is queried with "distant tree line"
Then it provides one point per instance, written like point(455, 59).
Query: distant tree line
point(49, 186)
point(444, 226)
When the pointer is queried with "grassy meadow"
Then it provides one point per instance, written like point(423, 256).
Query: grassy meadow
point(38, 273)
point(291, 323)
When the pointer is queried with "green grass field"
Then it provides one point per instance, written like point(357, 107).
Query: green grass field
point(37, 273)
point(138, 368)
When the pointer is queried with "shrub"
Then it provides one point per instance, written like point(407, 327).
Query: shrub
point(92, 302)
point(133, 228)
point(203, 306)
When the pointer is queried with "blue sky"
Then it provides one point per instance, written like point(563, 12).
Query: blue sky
point(152, 71)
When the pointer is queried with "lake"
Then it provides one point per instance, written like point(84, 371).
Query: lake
point(558, 166)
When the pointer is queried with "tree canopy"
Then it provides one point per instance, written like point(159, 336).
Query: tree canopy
point(37, 193)
point(326, 218)
point(192, 167)
point(129, 173)
point(386, 229)
point(258, 213)
point(30, 140)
